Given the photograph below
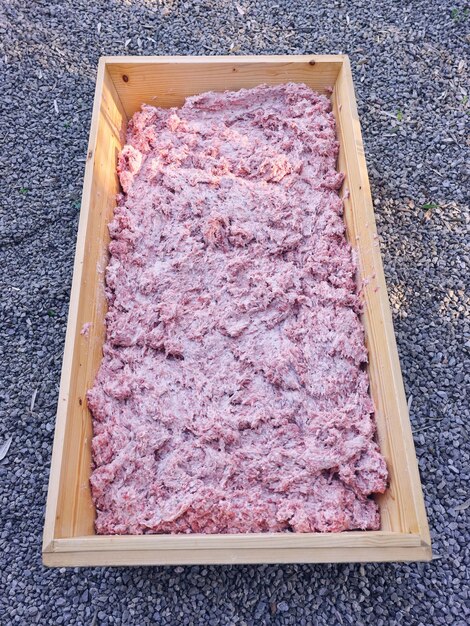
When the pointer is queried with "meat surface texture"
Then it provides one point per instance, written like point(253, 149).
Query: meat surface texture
point(232, 396)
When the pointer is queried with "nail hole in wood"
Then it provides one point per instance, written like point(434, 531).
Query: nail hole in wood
point(312, 62)
point(125, 78)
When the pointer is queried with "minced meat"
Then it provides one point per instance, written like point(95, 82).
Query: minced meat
point(232, 396)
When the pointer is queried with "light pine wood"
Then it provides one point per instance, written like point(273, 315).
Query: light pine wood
point(123, 84)
point(237, 541)
point(402, 506)
point(70, 509)
point(204, 556)
point(166, 82)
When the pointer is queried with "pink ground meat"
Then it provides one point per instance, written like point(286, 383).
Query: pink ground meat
point(232, 396)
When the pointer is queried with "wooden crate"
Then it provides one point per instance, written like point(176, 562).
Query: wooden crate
point(123, 84)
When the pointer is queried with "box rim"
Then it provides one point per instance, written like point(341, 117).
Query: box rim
point(227, 58)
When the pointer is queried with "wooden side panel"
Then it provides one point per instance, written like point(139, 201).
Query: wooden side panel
point(168, 82)
point(75, 512)
point(402, 506)
point(347, 163)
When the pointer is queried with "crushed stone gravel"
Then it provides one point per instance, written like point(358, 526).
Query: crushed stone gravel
point(410, 64)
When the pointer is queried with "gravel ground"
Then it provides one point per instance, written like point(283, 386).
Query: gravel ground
point(410, 73)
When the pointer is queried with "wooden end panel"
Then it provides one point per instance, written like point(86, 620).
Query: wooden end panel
point(88, 558)
point(167, 81)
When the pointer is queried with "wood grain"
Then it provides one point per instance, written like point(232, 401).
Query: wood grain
point(402, 506)
point(204, 556)
point(167, 81)
point(243, 541)
point(70, 509)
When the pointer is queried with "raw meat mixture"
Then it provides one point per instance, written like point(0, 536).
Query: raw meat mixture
point(232, 396)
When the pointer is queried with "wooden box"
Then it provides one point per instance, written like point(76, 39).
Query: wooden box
point(123, 84)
